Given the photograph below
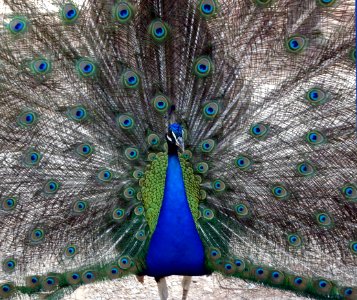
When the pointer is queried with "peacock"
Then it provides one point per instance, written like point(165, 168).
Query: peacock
point(157, 138)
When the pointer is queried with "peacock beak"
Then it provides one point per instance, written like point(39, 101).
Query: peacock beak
point(179, 142)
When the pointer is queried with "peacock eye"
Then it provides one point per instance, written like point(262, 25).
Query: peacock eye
point(37, 235)
point(123, 12)
point(210, 110)
point(202, 167)
point(305, 169)
point(51, 187)
point(203, 66)
point(131, 153)
point(315, 138)
point(280, 192)
point(218, 185)
point(214, 253)
point(294, 240)
point(207, 145)
point(158, 31)
point(316, 96)
point(161, 103)
point(86, 68)
point(77, 113)
point(9, 265)
point(40, 66)
point(8, 203)
point(70, 251)
point(208, 214)
point(259, 130)
point(118, 213)
point(105, 176)
point(32, 158)
point(88, 277)
point(242, 210)
point(349, 191)
point(79, 206)
point(353, 247)
point(324, 220)
point(85, 149)
point(131, 79)
point(296, 44)
point(208, 8)
point(243, 162)
point(124, 262)
point(69, 13)
point(140, 235)
point(153, 139)
point(27, 119)
point(18, 25)
point(263, 2)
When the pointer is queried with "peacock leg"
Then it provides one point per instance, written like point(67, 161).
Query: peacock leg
point(186, 281)
point(162, 286)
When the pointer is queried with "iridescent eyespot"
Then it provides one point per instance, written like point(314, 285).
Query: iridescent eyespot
point(159, 31)
point(123, 12)
point(324, 220)
point(208, 8)
point(305, 169)
point(280, 192)
point(33, 281)
point(129, 193)
point(208, 214)
point(228, 267)
point(131, 79)
point(151, 156)
point(214, 253)
point(260, 273)
point(207, 145)
point(8, 265)
point(118, 214)
point(73, 278)
point(294, 240)
point(296, 43)
point(79, 206)
point(137, 174)
point(316, 96)
point(8, 203)
point(210, 110)
point(139, 210)
point(125, 121)
point(349, 292)
point(69, 13)
point(31, 157)
point(70, 251)
point(277, 277)
point(18, 25)
point(131, 153)
point(37, 235)
point(161, 103)
point(105, 176)
point(124, 262)
point(51, 187)
point(50, 283)
point(78, 113)
point(349, 191)
point(218, 185)
point(326, 3)
point(113, 272)
point(153, 139)
point(323, 286)
point(259, 130)
point(40, 66)
point(88, 277)
point(187, 155)
point(242, 210)
point(203, 66)
point(86, 67)
point(6, 290)
point(85, 149)
point(240, 264)
point(353, 247)
point(27, 118)
point(263, 3)
point(243, 162)
point(315, 138)
point(140, 235)
point(202, 167)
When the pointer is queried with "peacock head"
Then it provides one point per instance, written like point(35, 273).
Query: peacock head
point(174, 137)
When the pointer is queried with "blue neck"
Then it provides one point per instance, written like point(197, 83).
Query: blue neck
point(175, 246)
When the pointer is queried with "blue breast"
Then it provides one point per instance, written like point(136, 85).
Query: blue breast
point(175, 247)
